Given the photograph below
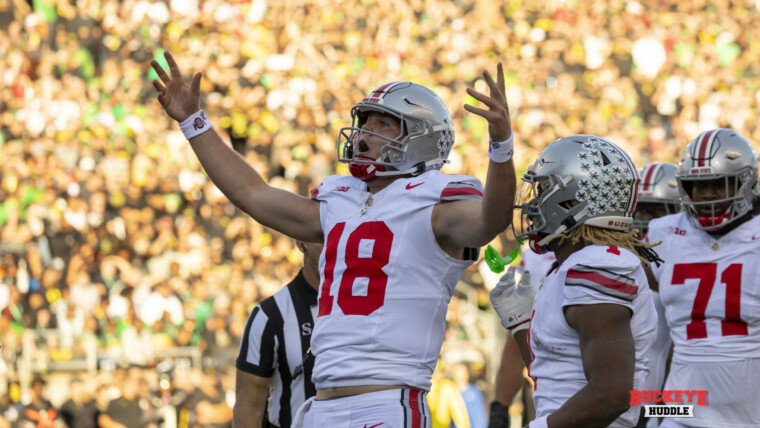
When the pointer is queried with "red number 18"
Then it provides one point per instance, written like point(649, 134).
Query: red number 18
point(357, 267)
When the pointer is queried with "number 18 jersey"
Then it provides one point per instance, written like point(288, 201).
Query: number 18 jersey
point(385, 282)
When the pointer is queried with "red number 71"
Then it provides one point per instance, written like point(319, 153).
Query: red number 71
point(732, 324)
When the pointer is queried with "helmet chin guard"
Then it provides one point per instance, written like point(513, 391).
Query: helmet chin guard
point(364, 171)
point(534, 243)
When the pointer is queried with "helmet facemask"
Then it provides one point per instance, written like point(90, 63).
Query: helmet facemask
point(711, 215)
point(392, 154)
point(647, 211)
point(534, 195)
point(725, 158)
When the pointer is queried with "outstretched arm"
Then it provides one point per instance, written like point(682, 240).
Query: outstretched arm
point(472, 223)
point(288, 213)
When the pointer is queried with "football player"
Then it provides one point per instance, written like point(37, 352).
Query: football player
point(658, 197)
point(710, 281)
point(593, 319)
point(398, 235)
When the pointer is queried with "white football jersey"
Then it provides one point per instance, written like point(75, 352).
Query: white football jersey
point(593, 275)
point(385, 282)
point(710, 289)
point(537, 264)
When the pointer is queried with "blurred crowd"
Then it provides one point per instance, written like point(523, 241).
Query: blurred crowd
point(109, 229)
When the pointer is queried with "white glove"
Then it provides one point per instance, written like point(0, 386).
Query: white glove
point(513, 304)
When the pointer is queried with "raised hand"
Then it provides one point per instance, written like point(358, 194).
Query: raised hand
point(497, 115)
point(176, 97)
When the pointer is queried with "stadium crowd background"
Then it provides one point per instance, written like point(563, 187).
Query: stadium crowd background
point(114, 243)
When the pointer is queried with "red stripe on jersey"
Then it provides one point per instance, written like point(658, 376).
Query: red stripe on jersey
point(703, 147)
point(649, 176)
point(460, 191)
point(414, 405)
point(604, 281)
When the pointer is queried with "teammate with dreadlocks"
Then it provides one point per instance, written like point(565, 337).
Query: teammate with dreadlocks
point(593, 319)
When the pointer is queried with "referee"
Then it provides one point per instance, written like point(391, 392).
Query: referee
point(274, 364)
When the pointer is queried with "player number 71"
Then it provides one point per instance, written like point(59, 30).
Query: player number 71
point(732, 323)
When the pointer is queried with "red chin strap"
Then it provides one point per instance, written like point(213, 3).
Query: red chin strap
point(364, 171)
point(709, 221)
point(537, 248)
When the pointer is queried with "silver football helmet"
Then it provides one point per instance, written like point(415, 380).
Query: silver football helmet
point(426, 136)
point(581, 179)
point(658, 194)
point(714, 155)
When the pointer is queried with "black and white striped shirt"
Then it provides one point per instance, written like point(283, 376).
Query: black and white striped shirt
point(277, 339)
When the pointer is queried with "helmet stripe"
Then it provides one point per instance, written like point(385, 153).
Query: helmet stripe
point(703, 146)
point(650, 174)
point(382, 90)
point(378, 93)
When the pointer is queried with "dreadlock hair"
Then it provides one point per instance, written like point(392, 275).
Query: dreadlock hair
point(592, 235)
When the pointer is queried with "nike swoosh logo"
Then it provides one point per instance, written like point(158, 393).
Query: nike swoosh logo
point(409, 186)
point(376, 425)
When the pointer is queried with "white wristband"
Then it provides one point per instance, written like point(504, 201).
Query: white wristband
point(501, 151)
point(539, 423)
point(195, 125)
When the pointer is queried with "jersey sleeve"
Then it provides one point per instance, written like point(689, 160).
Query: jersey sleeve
point(462, 187)
point(602, 280)
point(257, 349)
point(321, 192)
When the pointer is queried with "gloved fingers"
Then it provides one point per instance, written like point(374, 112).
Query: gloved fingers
point(525, 280)
point(509, 276)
